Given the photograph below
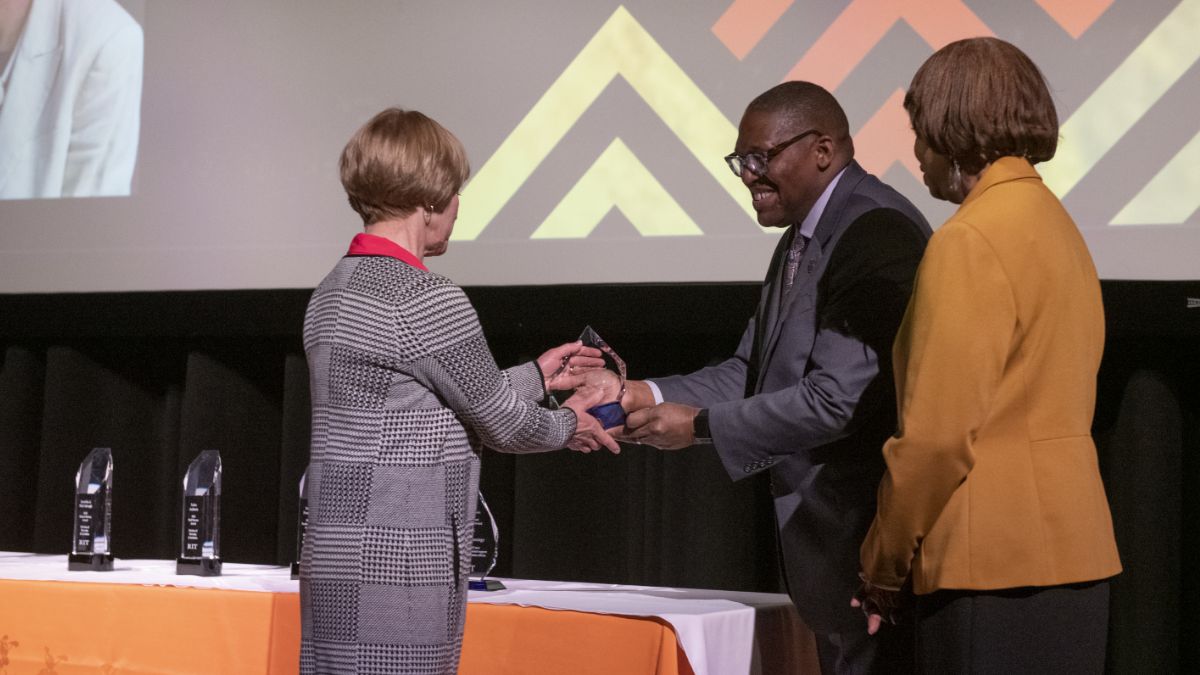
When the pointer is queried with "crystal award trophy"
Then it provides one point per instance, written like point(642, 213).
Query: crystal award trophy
point(301, 523)
point(93, 513)
point(200, 543)
point(485, 547)
point(610, 414)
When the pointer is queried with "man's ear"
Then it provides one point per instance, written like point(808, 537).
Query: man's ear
point(824, 149)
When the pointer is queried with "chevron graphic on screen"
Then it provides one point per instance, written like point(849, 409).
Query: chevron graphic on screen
point(1132, 89)
point(621, 47)
point(617, 179)
point(860, 38)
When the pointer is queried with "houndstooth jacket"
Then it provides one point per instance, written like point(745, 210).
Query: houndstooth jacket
point(404, 393)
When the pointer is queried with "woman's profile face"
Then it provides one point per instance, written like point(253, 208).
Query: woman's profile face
point(936, 170)
point(440, 226)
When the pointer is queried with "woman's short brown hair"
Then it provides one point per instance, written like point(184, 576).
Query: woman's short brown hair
point(977, 100)
point(400, 161)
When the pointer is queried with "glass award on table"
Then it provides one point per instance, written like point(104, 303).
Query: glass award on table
point(200, 541)
point(610, 413)
point(485, 547)
point(93, 514)
point(301, 523)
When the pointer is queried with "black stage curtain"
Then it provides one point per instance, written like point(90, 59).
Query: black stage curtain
point(158, 377)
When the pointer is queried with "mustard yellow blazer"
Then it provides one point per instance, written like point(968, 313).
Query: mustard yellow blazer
point(992, 480)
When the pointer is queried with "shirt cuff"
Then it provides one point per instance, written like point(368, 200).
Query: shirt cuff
point(658, 397)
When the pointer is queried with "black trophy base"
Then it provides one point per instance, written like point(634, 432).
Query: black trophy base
point(295, 571)
point(198, 567)
point(90, 562)
point(485, 585)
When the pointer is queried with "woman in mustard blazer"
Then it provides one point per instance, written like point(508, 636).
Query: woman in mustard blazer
point(992, 507)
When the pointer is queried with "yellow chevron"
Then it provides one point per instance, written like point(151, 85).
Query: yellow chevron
point(621, 47)
point(617, 179)
point(1125, 96)
point(1171, 196)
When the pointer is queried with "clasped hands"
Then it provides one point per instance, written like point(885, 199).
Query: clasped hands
point(667, 426)
point(880, 605)
point(574, 367)
point(566, 368)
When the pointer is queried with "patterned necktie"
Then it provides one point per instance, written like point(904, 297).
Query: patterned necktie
point(792, 262)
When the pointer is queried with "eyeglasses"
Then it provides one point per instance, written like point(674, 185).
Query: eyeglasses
point(756, 162)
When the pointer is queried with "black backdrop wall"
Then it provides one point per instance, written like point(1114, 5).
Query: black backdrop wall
point(158, 377)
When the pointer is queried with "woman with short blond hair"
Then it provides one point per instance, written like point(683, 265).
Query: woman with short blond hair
point(405, 393)
point(400, 161)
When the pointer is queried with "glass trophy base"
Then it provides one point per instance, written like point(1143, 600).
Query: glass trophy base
point(485, 585)
point(198, 567)
point(295, 571)
point(90, 562)
point(609, 414)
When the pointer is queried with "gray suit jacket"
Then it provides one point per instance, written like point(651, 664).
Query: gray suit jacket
point(809, 394)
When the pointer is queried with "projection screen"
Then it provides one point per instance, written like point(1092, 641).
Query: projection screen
point(596, 132)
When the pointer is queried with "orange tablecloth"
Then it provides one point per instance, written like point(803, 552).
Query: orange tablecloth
point(511, 640)
point(64, 627)
point(70, 627)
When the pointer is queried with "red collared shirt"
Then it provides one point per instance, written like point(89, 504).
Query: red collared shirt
point(370, 244)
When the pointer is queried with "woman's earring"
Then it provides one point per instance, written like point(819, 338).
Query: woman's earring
point(956, 183)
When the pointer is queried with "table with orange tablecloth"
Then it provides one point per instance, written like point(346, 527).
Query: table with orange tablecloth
point(142, 618)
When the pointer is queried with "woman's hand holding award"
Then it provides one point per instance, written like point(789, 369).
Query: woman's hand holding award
point(606, 385)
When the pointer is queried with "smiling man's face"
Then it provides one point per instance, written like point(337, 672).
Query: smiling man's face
point(793, 181)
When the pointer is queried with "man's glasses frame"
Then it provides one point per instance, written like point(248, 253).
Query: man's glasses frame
point(756, 162)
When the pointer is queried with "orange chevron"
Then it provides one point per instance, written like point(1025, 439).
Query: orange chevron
point(746, 22)
point(887, 138)
point(1075, 16)
point(863, 24)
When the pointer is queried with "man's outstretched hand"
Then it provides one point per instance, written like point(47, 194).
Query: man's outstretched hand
point(667, 426)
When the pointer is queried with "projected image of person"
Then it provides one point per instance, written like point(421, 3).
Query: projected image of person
point(70, 98)
point(992, 506)
point(808, 394)
point(405, 392)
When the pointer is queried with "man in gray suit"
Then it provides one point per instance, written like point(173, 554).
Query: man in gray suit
point(808, 395)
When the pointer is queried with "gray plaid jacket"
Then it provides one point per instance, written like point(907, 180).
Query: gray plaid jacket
point(404, 393)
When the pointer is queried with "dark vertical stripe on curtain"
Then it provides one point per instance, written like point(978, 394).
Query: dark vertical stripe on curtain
point(232, 403)
point(293, 457)
point(22, 380)
point(1143, 493)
